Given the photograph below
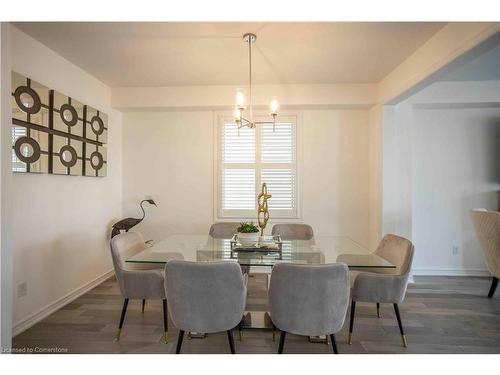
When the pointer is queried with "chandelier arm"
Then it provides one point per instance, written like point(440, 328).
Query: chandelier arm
point(263, 122)
point(245, 120)
point(249, 126)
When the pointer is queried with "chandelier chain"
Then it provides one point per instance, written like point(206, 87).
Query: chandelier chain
point(250, 76)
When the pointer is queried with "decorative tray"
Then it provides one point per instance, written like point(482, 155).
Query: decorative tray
point(270, 244)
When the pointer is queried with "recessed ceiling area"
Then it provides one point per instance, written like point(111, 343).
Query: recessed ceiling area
point(123, 54)
point(484, 68)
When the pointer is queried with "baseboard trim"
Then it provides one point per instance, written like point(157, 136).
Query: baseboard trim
point(31, 320)
point(449, 272)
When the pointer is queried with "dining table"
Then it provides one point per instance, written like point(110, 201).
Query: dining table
point(317, 250)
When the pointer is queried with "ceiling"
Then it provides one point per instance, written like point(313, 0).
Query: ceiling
point(486, 67)
point(124, 54)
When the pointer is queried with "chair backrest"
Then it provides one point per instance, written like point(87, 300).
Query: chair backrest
point(487, 225)
point(123, 246)
point(309, 299)
point(397, 250)
point(205, 296)
point(293, 231)
point(223, 230)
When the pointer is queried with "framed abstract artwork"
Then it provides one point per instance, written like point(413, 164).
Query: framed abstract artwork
point(54, 133)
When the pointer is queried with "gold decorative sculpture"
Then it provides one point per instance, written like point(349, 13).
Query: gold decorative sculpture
point(263, 212)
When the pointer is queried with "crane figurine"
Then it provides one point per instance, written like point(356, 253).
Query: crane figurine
point(129, 222)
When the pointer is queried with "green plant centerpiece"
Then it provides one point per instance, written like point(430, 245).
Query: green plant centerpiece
point(248, 234)
point(248, 227)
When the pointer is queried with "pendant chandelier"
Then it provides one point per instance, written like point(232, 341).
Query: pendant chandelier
point(241, 121)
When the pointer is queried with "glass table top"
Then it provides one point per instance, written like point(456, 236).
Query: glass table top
point(319, 250)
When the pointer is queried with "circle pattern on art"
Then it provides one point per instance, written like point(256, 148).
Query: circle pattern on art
point(96, 160)
point(68, 150)
point(68, 114)
point(24, 143)
point(97, 125)
point(27, 99)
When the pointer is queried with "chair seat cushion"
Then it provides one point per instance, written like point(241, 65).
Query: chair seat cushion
point(145, 284)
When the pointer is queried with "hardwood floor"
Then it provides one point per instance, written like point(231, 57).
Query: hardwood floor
point(440, 315)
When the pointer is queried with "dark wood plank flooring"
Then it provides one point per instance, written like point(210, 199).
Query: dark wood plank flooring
point(440, 315)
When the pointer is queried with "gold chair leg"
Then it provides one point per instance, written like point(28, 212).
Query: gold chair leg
point(400, 324)
point(118, 334)
point(351, 322)
point(405, 342)
point(165, 337)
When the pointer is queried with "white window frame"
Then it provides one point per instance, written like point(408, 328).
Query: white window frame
point(221, 118)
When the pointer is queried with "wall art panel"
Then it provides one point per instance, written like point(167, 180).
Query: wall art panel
point(56, 134)
point(96, 164)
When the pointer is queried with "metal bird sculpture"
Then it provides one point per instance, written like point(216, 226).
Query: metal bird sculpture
point(129, 222)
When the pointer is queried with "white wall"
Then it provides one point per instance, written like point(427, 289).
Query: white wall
point(375, 170)
point(442, 158)
point(170, 156)
point(6, 249)
point(452, 46)
point(335, 175)
point(59, 225)
point(456, 166)
point(397, 170)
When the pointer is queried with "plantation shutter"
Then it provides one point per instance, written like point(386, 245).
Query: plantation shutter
point(17, 165)
point(263, 154)
point(238, 172)
point(278, 164)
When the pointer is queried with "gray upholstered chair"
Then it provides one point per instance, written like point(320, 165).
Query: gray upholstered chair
point(293, 231)
point(205, 297)
point(385, 285)
point(136, 281)
point(487, 225)
point(223, 230)
point(226, 230)
point(309, 300)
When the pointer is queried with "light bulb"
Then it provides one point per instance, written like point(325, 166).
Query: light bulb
point(240, 99)
point(237, 114)
point(274, 106)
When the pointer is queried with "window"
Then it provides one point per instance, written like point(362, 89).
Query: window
point(17, 132)
point(255, 156)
